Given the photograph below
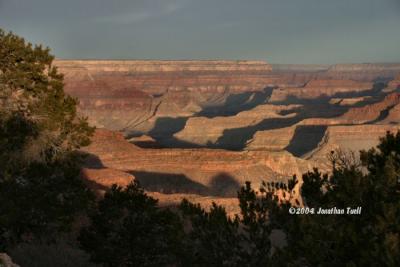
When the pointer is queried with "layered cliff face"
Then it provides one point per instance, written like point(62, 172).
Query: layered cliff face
point(316, 89)
point(157, 77)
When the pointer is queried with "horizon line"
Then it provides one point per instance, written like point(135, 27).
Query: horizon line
point(243, 60)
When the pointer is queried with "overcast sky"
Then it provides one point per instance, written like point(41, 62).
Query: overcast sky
point(279, 31)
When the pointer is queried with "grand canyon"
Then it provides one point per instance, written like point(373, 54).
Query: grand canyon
point(201, 129)
point(199, 133)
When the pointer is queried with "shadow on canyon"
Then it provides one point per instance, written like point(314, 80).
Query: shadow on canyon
point(305, 139)
point(383, 115)
point(222, 185)
point(236, 103)
point(166, 127)
point(237, 138)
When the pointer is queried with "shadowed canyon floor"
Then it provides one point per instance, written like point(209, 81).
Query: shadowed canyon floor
point(202, 128)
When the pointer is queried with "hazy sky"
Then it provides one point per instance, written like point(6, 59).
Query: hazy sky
point(279, 31)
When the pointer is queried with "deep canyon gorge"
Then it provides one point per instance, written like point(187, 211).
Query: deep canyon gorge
point(200, 129)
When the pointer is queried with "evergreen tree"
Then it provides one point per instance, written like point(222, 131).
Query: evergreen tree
point(39, 122)
point(40, 131)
